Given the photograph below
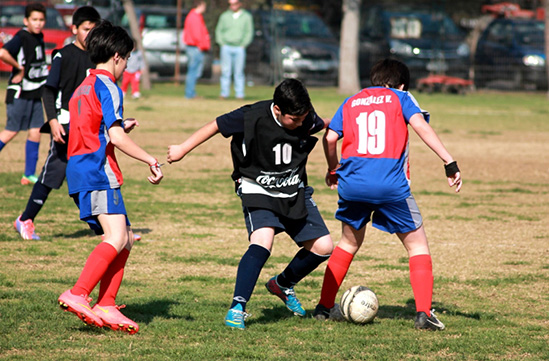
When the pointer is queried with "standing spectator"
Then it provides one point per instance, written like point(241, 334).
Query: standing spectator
point(25, 52)
point(197, 39)
point(234, 32)
point(68, 69)
point(132, 74)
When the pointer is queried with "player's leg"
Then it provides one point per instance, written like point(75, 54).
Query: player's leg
point(15, 114)
point(249, 268)
point(136, 89)
point(126, 79)
point(51, 177)
point(32, 146)
point(337, 268)
point(106, 308)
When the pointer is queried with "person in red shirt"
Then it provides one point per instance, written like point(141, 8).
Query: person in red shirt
point(197, 39)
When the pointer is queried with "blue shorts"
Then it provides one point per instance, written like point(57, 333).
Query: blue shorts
point(24, 114)
point(94, 203)
point(396, 217)
point(300, 230)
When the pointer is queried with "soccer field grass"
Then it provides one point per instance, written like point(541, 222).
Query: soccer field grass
point(490, 246)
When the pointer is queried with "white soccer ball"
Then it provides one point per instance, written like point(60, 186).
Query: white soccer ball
point(359, 304)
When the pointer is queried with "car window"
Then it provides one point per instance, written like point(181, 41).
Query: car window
point(405, 27)
point(155, 21)
point(418, 25)
point(297, 24)
point(530, 33)
point(13, 15)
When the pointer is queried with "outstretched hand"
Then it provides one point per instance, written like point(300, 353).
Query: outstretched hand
point(175, 153)
point(156, 174)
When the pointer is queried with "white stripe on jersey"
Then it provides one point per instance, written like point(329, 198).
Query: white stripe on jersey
point(249, 186)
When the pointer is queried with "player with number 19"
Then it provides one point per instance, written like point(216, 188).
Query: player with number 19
point(373, 181)
point(270, 143)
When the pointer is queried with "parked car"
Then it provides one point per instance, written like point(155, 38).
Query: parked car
point(12, 13)
point(160, 37)
point(292, 44)
point(511, 51)
point(426, 40)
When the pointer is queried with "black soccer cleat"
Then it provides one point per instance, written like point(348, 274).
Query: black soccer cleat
point(424, 322)
point(321, 313)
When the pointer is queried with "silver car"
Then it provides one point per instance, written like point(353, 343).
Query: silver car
point(160, 37)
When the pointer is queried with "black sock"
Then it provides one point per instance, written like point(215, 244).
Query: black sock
point(303, 263)
point(248, 272)
point(37, 199)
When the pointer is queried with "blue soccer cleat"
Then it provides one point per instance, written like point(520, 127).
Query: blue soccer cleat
point(235, 317)
point(287, 295)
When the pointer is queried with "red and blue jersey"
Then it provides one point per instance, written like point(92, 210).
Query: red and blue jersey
point(374, 154)
point(94, 107)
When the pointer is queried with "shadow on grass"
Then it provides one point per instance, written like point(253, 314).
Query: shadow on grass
point(146, 312)
point(89, 233)
point(409, 311)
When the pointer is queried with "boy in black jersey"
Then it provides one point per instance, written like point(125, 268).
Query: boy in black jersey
point(69, 67)
point(271, 141)
point(25, 52)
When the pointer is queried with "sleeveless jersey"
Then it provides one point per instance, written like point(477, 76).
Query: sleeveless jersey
point(374, 152)
point(95, 106)
point(270, 160)
point(28, 50)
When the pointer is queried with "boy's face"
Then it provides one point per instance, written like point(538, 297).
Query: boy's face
point(81, 33)
point(289, 121)
point(35, 22)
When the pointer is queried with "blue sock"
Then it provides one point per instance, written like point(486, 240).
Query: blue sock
point(2, 144)
point(248, 272)
point(31, 157)
point(304, 262)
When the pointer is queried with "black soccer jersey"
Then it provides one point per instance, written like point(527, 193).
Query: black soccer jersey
point(269, 160)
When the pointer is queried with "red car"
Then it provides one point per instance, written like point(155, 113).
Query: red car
point(12, 13)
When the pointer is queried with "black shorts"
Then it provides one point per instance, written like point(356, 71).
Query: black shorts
point(300, 230)
point(53, 172)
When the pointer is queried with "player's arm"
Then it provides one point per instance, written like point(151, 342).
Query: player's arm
point(49, 95)
point(429, 137)
point(177, 152)
point(122, 141)
point(7, 58)
point(329, 142)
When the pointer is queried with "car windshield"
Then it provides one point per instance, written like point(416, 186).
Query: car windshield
point(297, 24)
point(531, 33)
point(420, 25)
point(13, 15)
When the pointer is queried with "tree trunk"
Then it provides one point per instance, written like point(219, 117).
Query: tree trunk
point(349, 82)
point(136, 35)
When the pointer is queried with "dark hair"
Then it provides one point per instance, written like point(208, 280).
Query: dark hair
point(85, 13)
point(292, 97)
point(105, 40)
point(34, 7)
point(391, 73)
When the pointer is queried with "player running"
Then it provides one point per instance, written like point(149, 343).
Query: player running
point(373, 181)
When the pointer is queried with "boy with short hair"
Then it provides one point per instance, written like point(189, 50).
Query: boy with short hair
point(94, 177)
point(25, 52)
point(271, 141)
point(69, 68)
point(373, 181)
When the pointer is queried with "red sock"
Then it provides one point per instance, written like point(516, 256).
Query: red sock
point(337, 268)
point(421, 278)
point(112, 279)
point(97, 264)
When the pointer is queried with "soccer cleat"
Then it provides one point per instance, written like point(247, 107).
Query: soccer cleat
point(114, 319)
point(28, 179)
point(136, 237)
point(25, 228)
point(424, 322)
point(80, 306)
point(235, 317)
point(287, 295)
point(321, 313)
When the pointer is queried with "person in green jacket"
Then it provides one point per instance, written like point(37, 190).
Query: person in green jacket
point(234, 32)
